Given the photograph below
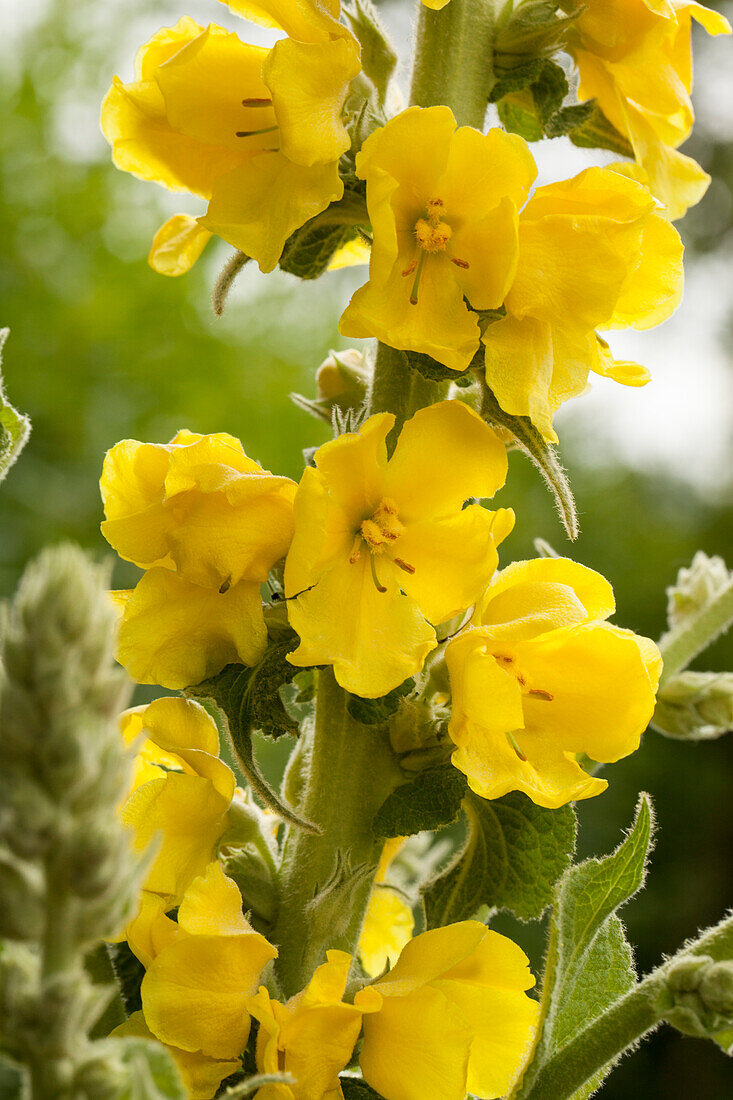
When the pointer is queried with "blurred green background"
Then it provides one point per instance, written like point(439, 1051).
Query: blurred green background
point(101, 348)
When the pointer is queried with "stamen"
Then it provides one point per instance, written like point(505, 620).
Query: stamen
point(379, 587)
point(416, 284)
point(409, 269)
point(504, 658)
point(512, 741)
point(254, 133)
point(404, 566)
point(355, 551)
point(226, 586)
point(540, 694)
point(459, 263)
point(256, 101)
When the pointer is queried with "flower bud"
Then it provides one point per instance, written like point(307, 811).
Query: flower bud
point(343, 378)
point(697, 998)
point(695, 587)
point(695, 705)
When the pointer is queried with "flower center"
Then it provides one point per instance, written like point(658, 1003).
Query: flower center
point(431, 232)
point(508, 663)
point(380, 531)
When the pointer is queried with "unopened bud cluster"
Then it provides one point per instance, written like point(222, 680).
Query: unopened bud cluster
point(698, 996)
point(68, 877)
point(696, 587)
point(696, 706)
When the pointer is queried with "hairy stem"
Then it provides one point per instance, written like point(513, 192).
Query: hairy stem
point(326, 879)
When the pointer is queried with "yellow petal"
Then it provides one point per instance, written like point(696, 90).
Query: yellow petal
point(591, 589)
point(257, 206)
point(653, 289)
point(374, 640)
point(170, 725)
point(351, 254)
point(212, 905)
point(388, 925)
point(519, 362)
point(621, 370)
point(301, 19)
point(177, 245)
point(417, 1046)
point(195, 993)
point(431, 955)
point(201, 1076)
point(190, 816)
point(308, 82)
point(602, 698)
point(151, 930)
point(175, 634)
point(445, 454)
point(472, 184)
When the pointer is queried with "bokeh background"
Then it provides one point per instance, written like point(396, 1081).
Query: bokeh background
point(101, 348)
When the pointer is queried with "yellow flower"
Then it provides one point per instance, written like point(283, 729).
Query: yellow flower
point(255, 132)
point(383, 549)
point(207, 524)
point(388, 922)
point(181, 791)
point(541, 677)
point(443, 207)
point(594, 251)
point(451, 1017)
point(634, 58)
point(196, 989)
point(311, 1037)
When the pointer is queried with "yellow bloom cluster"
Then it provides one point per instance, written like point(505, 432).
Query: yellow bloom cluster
point(593, 252)
point(633, 57)
point(207, 524)
point(255, 132)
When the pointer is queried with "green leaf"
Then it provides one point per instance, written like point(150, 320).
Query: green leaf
point(309, 251)
point(129, 973)
point(589, 964)
point(370, 712)
point(151, 1073)
point(14, 427)
point(378, 55)
point(568, 119)
point(549, 90)
point(541, 453)
point(248, 700)
point(429, 801)
point(517, 116)
point(517, 79)
point(354, 1089)
point(598, 133)
point(513, 857)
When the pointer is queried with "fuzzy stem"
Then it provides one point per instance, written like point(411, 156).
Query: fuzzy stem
point(351, 771)
point(454, 59)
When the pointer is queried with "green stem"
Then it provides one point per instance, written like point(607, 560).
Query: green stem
point(620, 1027)
point(351, 771)
point(454, 59)
point(697, 632)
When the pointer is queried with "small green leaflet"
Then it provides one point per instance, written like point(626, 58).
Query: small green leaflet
point(150, 1072)
point(596, 132)
point(589, 963)
point(514, 855)
point(370, 712)
point(14, 427)
point(248, 700)
point(430, 801)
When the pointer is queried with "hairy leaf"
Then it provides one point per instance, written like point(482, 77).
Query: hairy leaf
point(429, 801)
point(249, 700)
point(150, 1072)
point(308, 252)
point(430, 368)
point(568, 119)
point(14, 427)
point(589, 964)
point(514, 855)
point(542, 454)
point(549, 90)
point(129, 973)
point(370, 712)
point(598, 133)
point(517, 79)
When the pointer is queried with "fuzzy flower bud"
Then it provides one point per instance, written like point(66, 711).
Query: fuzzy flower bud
point(697, 998)
point(696, 706)
point(696, 587)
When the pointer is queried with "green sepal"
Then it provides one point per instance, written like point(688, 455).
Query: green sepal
point(549, 91)
point(370, 712)
point(514, 854)
point(517, 116)
point(596, 132)
point(14, 427)
point(544, 456)
point(149, 1072)
point(355, 1089)
point(517, 79)
point(589, 964)
point(430, 801)
point(568, 119)
point(248, 699)
point(432, 370)
point(378, 55)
